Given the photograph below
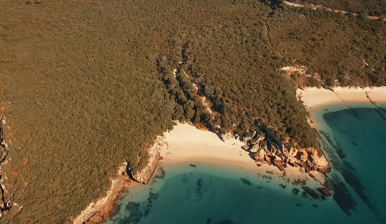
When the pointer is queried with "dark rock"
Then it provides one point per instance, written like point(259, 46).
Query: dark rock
point(291, 163)
point(245, 181)
point(152, 197)
point(342, 196)
point(311, 192)
point(324, 191)
point(199, 186)
point(278, 163)
point(299, 182)
point(245, 147)
point(299, 155)
point(271, 138)
point(135, 213)
point(160, 173)
point(295, 191)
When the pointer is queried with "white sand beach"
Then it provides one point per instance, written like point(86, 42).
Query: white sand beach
point(186, 143)
point(314, 98)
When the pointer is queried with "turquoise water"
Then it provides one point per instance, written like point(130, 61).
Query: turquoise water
point(357, 133)
point(193, 193)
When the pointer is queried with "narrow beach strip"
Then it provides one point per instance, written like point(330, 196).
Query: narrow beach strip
point(314, 98)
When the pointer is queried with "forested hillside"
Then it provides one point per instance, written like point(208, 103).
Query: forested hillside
point(87, 85)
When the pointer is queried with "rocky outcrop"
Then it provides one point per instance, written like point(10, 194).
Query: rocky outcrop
point(99, 210)
point(5, 201)
point(263, 151)
point(271, 139)
point(295, 69)
point(324, 191)
point(145, 174)
point(307, 158)
point(302, 4)
point(310, 159)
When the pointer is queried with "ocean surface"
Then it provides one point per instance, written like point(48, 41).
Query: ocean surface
point(353, 137)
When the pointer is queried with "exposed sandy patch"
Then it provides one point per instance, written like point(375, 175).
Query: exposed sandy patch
point(300, 69)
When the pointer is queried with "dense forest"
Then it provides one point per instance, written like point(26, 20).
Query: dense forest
point(87, 85)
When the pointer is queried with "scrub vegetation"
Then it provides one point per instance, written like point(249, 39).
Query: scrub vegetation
point(87, 85)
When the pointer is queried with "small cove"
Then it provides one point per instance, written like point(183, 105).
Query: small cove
point(198, 192)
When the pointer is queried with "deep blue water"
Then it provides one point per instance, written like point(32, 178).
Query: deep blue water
point(212, 194)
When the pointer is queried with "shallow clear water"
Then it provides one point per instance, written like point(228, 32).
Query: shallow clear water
point(213, 194)
point(359, 137)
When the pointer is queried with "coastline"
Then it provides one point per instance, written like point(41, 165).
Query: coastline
point(344, 138)
point(99, 210)
point(188, 144)
point(314, 99)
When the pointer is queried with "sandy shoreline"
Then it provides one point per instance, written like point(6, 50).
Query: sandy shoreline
point(314, 98)
point(189, 144)
point(185, 144)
